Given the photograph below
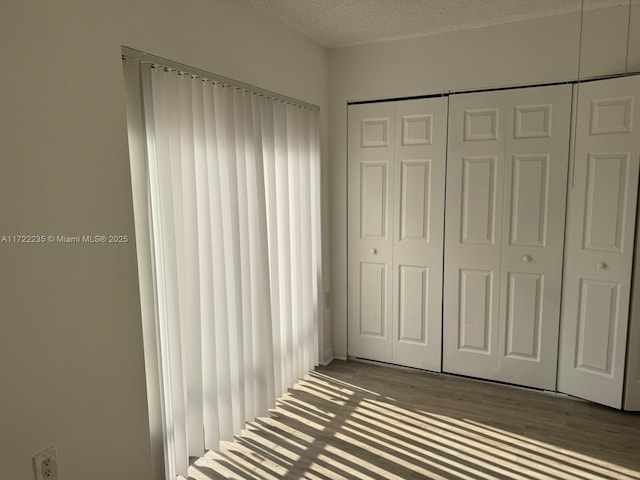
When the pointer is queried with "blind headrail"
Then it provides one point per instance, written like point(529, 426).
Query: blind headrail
point(133, 54)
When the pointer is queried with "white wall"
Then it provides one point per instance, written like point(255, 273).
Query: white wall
point(527, 52)
point(71, 356)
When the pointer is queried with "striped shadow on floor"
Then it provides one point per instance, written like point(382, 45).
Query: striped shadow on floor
point(353, 420)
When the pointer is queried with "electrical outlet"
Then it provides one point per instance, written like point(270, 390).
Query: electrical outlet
point(45, 464)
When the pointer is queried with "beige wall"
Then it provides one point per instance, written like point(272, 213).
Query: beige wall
point(527, 52)
point(71, 356)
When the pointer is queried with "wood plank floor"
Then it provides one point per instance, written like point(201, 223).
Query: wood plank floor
point(353, 420)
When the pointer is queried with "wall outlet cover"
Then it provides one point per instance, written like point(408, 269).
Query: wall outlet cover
point(45, 464)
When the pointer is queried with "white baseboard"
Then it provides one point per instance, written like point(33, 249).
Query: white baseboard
point(326, 361)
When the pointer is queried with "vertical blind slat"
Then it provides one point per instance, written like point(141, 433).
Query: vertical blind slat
point(206, 195)
point(166, 270)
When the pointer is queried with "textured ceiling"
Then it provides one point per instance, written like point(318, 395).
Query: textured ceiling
point(341, 23)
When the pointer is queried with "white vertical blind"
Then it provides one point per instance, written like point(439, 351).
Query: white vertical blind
point(234, 199)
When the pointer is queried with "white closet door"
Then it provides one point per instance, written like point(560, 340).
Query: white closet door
point(536, 161)
point(506, 187)
point(420, 160)
point(600, 241)
point(475, 183)
point(371, 142)
point(396, 168)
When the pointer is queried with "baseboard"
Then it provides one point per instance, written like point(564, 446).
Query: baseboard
point(327, 357)
point(326, 361)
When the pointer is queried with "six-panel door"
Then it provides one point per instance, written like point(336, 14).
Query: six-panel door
point(396, 175)
point(600, 240)
point(506, 186)
point(419, 178)
point(370, 223)
point(537, 153)
point(473, 238)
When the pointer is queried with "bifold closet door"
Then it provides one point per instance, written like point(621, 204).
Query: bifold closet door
point(418, 234)
point(396, 175)
point(506, 189)
point(601, 219)
point(371, 145)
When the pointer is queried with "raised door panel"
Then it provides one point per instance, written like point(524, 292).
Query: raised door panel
point(475, 317)
point(600, 241)
point(373, 293)
point(373, 200)
point(598, 319)
point(481, 124)
point(606, 201)
point(528, 220)
point(475, 184)
point(524, 316)
point(536, 163)
point(419, 176)
point(478, 218)
point(371, 143)
point(414, 298)
point(415, 200)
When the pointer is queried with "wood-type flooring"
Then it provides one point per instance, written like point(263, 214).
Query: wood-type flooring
point(356, 420)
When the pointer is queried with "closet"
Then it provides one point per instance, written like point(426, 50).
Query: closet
point(506, 189)
point(523, 272)
point(396, 174)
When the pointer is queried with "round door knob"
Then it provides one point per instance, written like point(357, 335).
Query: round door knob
point(373, 251)
point(526, 259)
point(601, 265)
